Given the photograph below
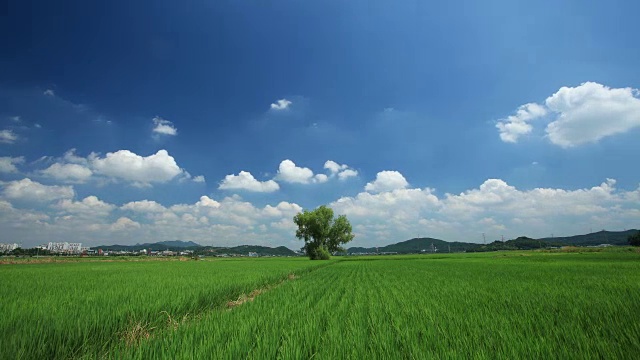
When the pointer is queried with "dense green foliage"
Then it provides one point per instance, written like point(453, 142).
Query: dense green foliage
point(322, 234)
point(492, 305)
point(634, 240)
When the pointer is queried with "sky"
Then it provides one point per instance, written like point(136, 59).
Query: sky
point(217, 121)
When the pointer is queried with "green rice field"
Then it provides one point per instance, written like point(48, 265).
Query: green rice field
point(506, 305)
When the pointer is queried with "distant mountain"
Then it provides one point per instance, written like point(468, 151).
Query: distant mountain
point(596, 238)
point(246, 249)
point(412, 246)
point(157, 246)
point(178, 245)
point(416, 245)
point(420, 245)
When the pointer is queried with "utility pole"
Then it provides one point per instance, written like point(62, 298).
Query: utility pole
point(484, 239)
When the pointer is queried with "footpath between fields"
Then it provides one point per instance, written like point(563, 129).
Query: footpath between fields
point(138, 331)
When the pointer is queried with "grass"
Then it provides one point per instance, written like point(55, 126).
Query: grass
point(490, 305)
point(72, 309)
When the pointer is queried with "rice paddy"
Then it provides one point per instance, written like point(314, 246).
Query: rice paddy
point(492, 305)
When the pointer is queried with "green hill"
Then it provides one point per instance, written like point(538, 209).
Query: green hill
point(423, 245)
point(416, 245)
point(596, 238)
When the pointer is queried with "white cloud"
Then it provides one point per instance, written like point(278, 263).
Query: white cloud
point(16, 119)
point(49, 92)
point(8, 137)
point(207, 202)
point(578, 115)
point(334, 167)
point(198, 179)
point(283, 209)
point(518, 125)
point(245, 181)
point(29, 190)
point(123, 164)
point(345, 174)
point(320, 178)
point(281, 104)
point(494, 207)
point(342, 171)
point(397, 203)
point(124, 224)
point(164, 127)
point(289, 172)
point(144, 206)
point(590, 112)
point(90, 206)
point(387, 181)
point(71, 157)
point(8, 164)
point(72, 173)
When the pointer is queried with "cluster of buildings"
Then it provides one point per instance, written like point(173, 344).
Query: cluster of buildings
point(5, 248)
point(65, 248)
point(149, 252)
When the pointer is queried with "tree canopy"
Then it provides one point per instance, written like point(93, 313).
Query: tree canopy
point(634, 240)
point(321, 232)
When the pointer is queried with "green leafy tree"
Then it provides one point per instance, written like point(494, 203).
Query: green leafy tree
point(634, 240)
point(321, 232)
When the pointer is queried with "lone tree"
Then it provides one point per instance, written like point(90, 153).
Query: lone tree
point(634, 240)
point(322, 233)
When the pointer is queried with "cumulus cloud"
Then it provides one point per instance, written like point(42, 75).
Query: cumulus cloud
point(334, 167)
point(517, 125)
point(71, 157)
point(207, 202)
point(8, 137)
point(144, 206)
point(164, 127)
point(494, 207)
point(29, 190)
point(289, 172)
point(345, 174)
point(124, 224)
point(49, 92)
point(342, 171)
point(281, 104)
point(577, 115)
point(387, 181)
point(590, 112)
point(90, 206)
point(126, 165)
point(8, 164)
point(122, 165)
point(245, 181)
point(71, 173)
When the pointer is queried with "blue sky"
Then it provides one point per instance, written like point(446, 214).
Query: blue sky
point(127, 122)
